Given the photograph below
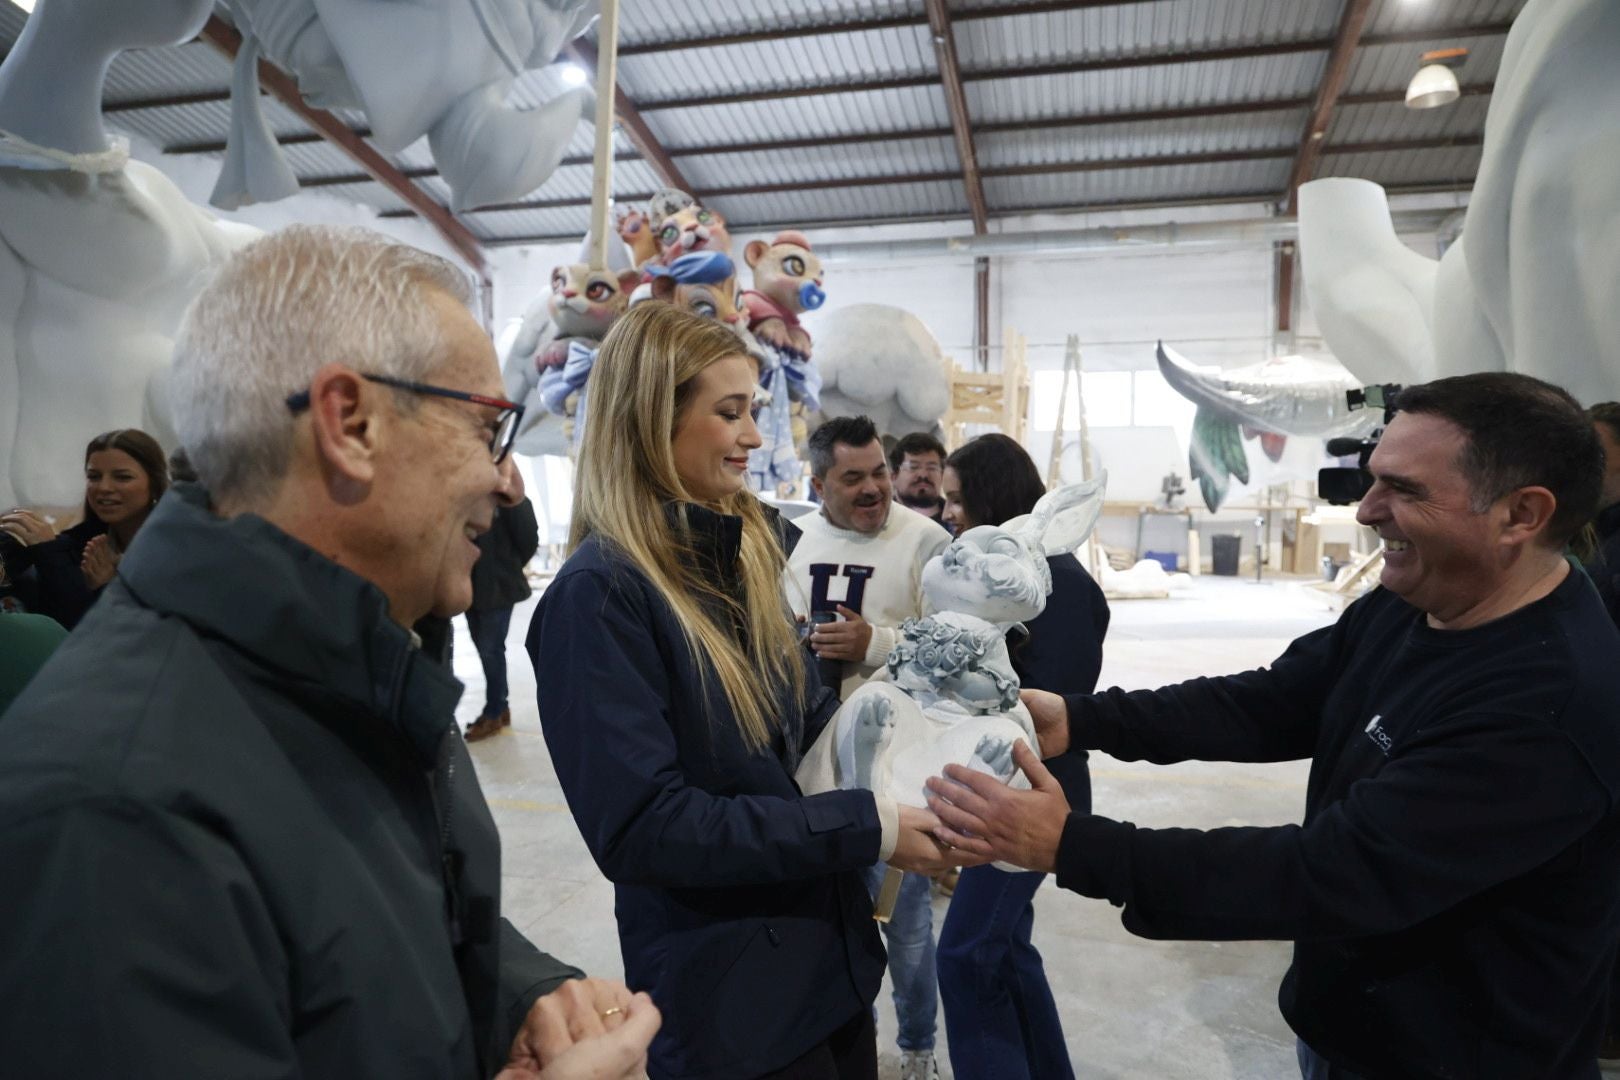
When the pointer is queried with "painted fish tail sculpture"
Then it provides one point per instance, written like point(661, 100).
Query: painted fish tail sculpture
point(1271, 400)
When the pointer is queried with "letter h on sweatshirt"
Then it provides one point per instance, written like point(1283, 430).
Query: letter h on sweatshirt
point(822, 573)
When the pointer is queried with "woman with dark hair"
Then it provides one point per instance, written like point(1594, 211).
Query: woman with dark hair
point(125, 474)
point(1000, 1018)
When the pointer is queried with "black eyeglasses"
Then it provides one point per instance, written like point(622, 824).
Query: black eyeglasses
point(506, 424)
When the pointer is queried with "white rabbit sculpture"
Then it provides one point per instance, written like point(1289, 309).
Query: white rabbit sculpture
point(951, 695)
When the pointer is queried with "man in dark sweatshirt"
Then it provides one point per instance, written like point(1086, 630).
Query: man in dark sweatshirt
point(1454, 890)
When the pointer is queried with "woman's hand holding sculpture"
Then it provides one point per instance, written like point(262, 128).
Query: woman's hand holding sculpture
point(1051, 715)
point(26, 527)
point(920, 851)
point(100, 561)
point(985, 819)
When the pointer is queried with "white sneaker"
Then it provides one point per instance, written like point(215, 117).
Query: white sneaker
point(918, 1065)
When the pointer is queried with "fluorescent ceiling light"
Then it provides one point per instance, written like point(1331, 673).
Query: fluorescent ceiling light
point(573, 75)
point(26, 5)
point(1432, 86)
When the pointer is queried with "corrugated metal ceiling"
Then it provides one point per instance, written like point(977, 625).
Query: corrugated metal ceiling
point(844, 115)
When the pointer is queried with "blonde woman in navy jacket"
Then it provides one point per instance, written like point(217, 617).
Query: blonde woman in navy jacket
point(677, 702)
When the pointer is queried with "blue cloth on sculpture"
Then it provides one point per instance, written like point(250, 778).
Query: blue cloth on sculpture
point(557, 384)
point(698, 268)
point(776, 460)
point(804, 383)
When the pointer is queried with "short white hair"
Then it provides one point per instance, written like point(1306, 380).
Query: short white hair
point(275, 313)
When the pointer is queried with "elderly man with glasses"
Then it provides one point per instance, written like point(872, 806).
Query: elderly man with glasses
point(248, 835)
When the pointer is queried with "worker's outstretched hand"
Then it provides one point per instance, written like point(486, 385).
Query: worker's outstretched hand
point(985, 819)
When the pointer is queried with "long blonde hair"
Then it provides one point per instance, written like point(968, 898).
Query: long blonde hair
point(639, 386)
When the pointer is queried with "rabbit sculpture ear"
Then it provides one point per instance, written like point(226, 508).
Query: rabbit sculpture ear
point(1062, 519)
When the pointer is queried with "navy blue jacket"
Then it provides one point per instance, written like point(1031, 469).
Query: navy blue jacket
point(740, 902)
point(1060, 650)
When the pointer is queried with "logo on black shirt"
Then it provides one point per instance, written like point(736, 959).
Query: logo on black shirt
point(1380, 738)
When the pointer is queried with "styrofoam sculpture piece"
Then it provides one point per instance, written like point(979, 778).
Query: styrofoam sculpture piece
point(550, 360)
point(787, 283)
point(1533, 283)
point(1271, 400)
point(951, 694)
point(101, 254)
point(881, 361)
point(440, 70)
point(1372, 295)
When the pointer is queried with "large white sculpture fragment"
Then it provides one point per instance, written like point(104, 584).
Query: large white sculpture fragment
point(1533, 283)
point(882, 362)
point(440, 69)
point(101, 254)
point(951, 694)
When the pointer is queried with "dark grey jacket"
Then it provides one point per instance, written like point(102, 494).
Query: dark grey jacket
point(240, 837)
point(497, 576)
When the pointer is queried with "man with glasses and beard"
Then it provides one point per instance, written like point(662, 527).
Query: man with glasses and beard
point(917, 463)
point(854, 577)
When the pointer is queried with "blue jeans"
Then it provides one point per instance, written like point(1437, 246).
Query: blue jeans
point(909, 936)
point(999, 1013)
point(488, 630)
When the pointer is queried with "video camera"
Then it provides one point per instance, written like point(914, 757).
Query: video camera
point(1342, 486)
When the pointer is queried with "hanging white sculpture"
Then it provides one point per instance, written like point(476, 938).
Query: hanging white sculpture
point(101, 254)
point(440, 70)
point(1533, 283)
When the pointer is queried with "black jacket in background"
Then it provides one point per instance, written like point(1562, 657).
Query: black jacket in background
point(1605, 565)
point(1454, 891)
point(742, 904)
point(1061, 651)
point(46, 577)
point(241, 836)
point(507, 547)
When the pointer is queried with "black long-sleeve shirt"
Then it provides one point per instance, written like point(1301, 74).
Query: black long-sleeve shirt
point(1454, 890)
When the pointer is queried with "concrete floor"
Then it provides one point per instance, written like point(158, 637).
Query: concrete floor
point(1131, 1008)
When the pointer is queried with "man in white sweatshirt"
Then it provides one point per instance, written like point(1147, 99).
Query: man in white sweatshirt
point(855, 576)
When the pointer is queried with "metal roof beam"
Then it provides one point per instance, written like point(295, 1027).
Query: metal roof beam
point(628, 115)
point(1334, 77)
point(857, 26)
point(1267, 196)
point(297, 138)
point(1168, 58)
point(224, 37)
point(1352, 21)
point(1049, 169)
point(1045, 124)
point(939, 24)
point(170, 101)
